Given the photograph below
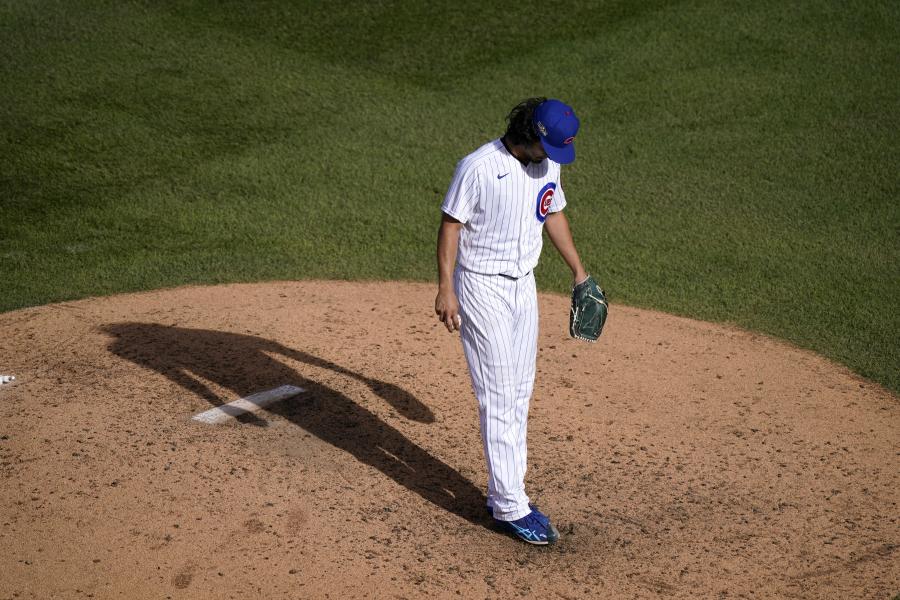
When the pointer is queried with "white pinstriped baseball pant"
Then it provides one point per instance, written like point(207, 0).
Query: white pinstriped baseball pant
point(499, 338)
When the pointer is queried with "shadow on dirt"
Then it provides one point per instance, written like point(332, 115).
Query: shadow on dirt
point(246, 364)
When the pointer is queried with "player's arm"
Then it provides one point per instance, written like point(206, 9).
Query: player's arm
point(557, 228)
point(446, 304)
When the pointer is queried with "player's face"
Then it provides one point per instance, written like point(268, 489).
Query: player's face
point(535, 152)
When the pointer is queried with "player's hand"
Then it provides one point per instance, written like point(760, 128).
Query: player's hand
point(446, 306)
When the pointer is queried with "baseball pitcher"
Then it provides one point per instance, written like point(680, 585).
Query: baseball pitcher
point(501, 199)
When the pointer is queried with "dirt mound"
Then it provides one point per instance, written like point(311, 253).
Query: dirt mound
point(678, 458)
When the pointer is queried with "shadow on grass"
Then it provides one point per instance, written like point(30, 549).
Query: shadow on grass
point(246, 364)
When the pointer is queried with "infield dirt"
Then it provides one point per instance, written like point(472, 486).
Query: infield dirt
point(678, 458)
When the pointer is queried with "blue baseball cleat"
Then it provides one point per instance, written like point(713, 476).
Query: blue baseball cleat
point(534, 528)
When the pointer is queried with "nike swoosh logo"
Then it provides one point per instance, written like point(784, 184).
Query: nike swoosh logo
point(502, 176)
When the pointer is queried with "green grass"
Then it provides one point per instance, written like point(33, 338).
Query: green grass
point(738, 162)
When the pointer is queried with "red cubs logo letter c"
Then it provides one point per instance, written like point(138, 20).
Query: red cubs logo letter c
point(544, 200)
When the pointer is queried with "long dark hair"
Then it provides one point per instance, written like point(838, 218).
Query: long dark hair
point(520, 122)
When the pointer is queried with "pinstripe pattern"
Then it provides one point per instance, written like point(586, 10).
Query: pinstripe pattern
point(497, 198)
point(502, 234)
point(499, 337)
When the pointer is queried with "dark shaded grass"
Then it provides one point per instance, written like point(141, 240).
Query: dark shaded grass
point(736, 163)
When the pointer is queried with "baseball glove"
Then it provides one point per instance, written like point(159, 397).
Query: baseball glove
point(589, 310)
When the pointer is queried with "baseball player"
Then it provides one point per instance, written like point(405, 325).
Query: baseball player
point(501, 199)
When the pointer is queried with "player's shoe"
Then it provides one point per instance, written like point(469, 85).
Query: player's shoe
point(534, 508)
point(490, 509)
point(534, 528)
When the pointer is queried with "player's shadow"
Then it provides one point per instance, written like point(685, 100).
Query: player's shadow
point(246, 364)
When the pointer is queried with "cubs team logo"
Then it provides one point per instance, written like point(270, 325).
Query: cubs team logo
point(544, 199)
point(569, 140)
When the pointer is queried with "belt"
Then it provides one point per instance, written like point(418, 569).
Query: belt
point(504, 275)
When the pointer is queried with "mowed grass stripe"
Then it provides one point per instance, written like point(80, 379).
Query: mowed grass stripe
point(736, 163)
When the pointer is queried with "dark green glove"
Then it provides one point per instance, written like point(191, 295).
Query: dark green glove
point(589, 310)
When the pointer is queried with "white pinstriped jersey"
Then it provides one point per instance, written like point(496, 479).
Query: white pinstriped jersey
point(503, 205)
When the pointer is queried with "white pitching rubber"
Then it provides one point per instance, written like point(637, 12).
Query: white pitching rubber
point(250, 404)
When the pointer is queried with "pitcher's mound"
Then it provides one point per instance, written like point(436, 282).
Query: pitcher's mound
point(678, 458)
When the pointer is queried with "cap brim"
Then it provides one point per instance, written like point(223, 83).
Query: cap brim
point(561, 154)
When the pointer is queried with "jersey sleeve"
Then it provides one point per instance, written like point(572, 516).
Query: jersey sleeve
point(559, 198)
point(464, 193)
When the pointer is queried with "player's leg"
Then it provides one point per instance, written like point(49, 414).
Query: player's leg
point(525, 335)
point(536, 528)
point(486, 306)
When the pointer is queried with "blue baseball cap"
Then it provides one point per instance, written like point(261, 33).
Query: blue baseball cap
point(557, 126)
